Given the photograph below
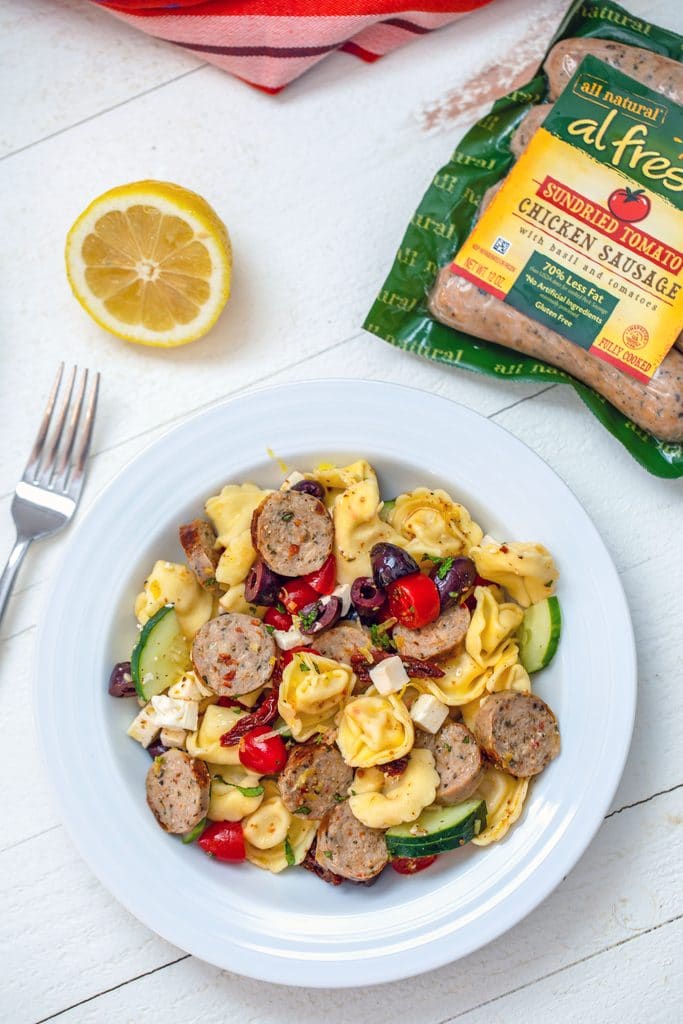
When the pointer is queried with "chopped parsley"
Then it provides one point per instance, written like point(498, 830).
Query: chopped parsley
point(210, 581)
point(338, 798)
point(279, 607)
point(247, 790)
point(302, 810)
point(286, 516)
point(328, 854)
point(447, 747)
point(303, 666)
point(270, 629)
point(306, 619)
point(289, 854)
point(381, 639)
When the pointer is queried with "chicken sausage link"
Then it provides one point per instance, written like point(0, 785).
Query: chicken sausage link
point(656, 407)
point(661, 74)
point(458, 761)
point(527, 128)
point(234, 654)
point(178, 790)
point(437, 639)
point(314, 779)
point(198, 540)
point(518, 732)
point(292, 532)
point(348, 848)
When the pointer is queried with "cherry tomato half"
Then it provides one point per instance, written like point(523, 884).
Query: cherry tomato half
point(223, 840)
point(278, 619)
point(296, 594)
point(323, 579)
point(414, 600)
point(411, 865)
point(288, 655)
point(263, 751)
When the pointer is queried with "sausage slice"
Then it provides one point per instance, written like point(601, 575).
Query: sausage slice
point(178, 790)
point(292, 532)
point(314, 779)
point(233, 654)
point(348, 848)
point(437, 639)
point(458, 759)
point(198, 540)
point(518, 732)
point(662, 74)
point(341, 642)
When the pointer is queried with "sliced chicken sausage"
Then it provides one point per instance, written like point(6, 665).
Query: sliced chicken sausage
point(178, 790)
point(347, 847)
point(314, 779)
point(661, 74)
point(458, 760)
point(292, 532)
point(436, 640)
point(341, 642)
point(518, 732)
point(234, 654)
point(198, 540)
point(656, 407)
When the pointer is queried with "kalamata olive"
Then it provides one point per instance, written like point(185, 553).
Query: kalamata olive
point(262, 585)
point(317, 616)
point(367, 598)
point(121, 681)
point(389, 563)
point(453, 581)
point(156, 749)
point(310, 487)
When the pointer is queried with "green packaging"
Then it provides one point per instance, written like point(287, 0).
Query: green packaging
point(445, 217)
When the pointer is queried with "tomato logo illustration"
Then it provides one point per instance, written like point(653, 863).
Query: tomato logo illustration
point(630, 205)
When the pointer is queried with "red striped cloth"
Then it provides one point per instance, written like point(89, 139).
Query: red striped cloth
point(269, 43)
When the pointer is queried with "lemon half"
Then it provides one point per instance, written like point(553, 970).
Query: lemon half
point(150, 262)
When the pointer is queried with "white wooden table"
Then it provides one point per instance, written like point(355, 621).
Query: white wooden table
point(316, 186)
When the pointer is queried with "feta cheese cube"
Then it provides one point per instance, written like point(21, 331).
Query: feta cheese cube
point(343, 591)
point(173, 738)
point(177, 714)
point(288, 638)
point(143, 728)
point(389, 676)
point(295, 477)
point(189, 687)
point(428, 713)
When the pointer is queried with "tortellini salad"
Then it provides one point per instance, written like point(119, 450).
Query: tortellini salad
point(340, 680)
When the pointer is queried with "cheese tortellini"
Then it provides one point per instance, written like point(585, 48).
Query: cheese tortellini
point(231, 512)
point(526, 570)
point(504, 796)
point(491, 624)
point(233, 600)
point(269, 820)
point(505, 674)
point(227, 801)
point(380, 801)
point(357, 527)
point(432, 523)
point(171, 583)
point(206, 741)
point(374, 729)
point(312, 692)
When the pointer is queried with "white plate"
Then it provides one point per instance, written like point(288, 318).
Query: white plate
point(292, 928)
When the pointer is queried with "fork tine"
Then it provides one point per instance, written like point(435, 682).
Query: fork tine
point(83, 447)
point(39, 442)
point(70, 436)
point(45, 469)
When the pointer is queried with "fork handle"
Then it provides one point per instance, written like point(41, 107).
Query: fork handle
point(10, 571)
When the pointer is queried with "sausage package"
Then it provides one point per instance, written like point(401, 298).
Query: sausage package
point(549, 247)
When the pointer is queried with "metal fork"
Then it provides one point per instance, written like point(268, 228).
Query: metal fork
point(46, 497)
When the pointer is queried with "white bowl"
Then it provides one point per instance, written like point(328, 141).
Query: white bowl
point(291, 928)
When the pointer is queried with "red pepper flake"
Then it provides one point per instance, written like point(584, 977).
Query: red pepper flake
point(504, 548)
point(263, 715)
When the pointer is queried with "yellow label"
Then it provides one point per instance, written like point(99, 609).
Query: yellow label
point(581, 246)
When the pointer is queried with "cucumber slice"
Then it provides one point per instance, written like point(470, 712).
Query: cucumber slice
point(539, 634)
point(161, 654)
point(437, 830)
